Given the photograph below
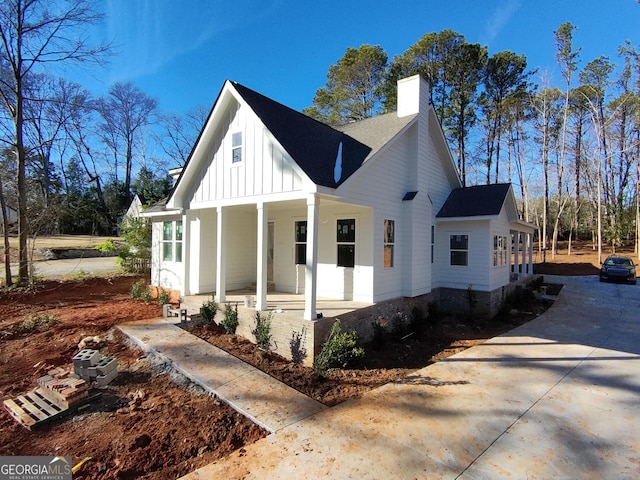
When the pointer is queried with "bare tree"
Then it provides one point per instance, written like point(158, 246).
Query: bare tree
point(33, 34)
point(125, 111)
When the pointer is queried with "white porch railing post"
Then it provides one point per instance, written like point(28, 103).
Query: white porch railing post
point(261, 278)
point(221, 270)
point(311, 270)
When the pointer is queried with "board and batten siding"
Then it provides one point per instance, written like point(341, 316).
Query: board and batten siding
point(265, 167)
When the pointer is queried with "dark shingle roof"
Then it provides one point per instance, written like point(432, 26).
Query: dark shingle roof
point(311, 144)
point(475, 201)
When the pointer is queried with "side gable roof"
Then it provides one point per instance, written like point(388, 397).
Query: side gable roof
point(312, 144)
point(480, 200)
point(378, 131)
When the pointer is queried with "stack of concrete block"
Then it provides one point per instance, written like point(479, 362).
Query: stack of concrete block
point(92, 366)
point(65, 392)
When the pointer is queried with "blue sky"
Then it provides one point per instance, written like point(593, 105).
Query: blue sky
point(182, 51)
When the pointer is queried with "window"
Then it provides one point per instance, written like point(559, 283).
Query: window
point(499, 251)
point(346, 239)
point(459, 247)
point(301, 242)
point(389, 241)
point(236, 147)
point(433, 240)
point(172, 241)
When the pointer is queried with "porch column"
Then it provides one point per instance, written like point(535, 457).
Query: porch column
point(530, 236)
point(518, 253)
point(221, 254)
point(311, 270)
point(261, 270)
point(186, 254)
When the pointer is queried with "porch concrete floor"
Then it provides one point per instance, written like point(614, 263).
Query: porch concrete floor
point(288, 303)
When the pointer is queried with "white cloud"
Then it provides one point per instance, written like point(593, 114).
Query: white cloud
point(499, 18)
point(148, 34)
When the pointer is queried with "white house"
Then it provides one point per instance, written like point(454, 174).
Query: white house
point(371, 211)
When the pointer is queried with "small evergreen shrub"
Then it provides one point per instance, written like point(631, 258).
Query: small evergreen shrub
point(472, 300)
point(230, 322)
point(433, 314)
point(338, 351)
point(163, 297)
point(140, 291)
point(298, 352)
point(262, 331)
point(379, 333)
point(417, 321)
point(208, 311)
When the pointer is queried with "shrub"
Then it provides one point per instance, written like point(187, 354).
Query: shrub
point(36, 323)
point(338, 351)
point(262, 331)
point(472, 300)
point(298, 352)
point(140, 291)
point(418, 320)
point(230, 322)
point(208, 311)
point(163, 297)
point(379, 333)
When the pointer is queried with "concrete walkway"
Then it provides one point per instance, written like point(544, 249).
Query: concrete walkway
point(266, 401)
point(558, 397)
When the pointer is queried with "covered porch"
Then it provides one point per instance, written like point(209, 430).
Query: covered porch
point(280, 253)
point(521, 258)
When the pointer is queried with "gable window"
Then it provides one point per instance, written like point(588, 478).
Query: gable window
point(499, 251)
point(236, 147)
point(346, 240)
point(172, 241)
point(301, 242)
point(459, 248)
point(389, 242)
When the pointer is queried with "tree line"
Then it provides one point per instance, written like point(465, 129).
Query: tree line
point(571, 150)
point(71, 162)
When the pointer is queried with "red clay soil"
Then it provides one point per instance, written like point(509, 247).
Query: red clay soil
point(388, 360)
point(145, 425)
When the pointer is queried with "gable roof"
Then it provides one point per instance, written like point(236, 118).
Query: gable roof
point(376, 131)
point(480, 200)
point(312, 145)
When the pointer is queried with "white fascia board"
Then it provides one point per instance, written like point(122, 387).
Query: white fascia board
point(478, 218)
point(450, 169)
point(524, 226)
point(192, 166)
point(163, 213)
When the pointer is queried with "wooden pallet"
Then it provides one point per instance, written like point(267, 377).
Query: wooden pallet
point(34, 408)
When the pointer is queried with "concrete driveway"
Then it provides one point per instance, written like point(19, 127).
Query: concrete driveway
point(558, 397)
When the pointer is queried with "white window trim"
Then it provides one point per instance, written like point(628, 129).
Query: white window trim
point(451, 234)
point(173, 241)
point(237, 147)
point(392, 244)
